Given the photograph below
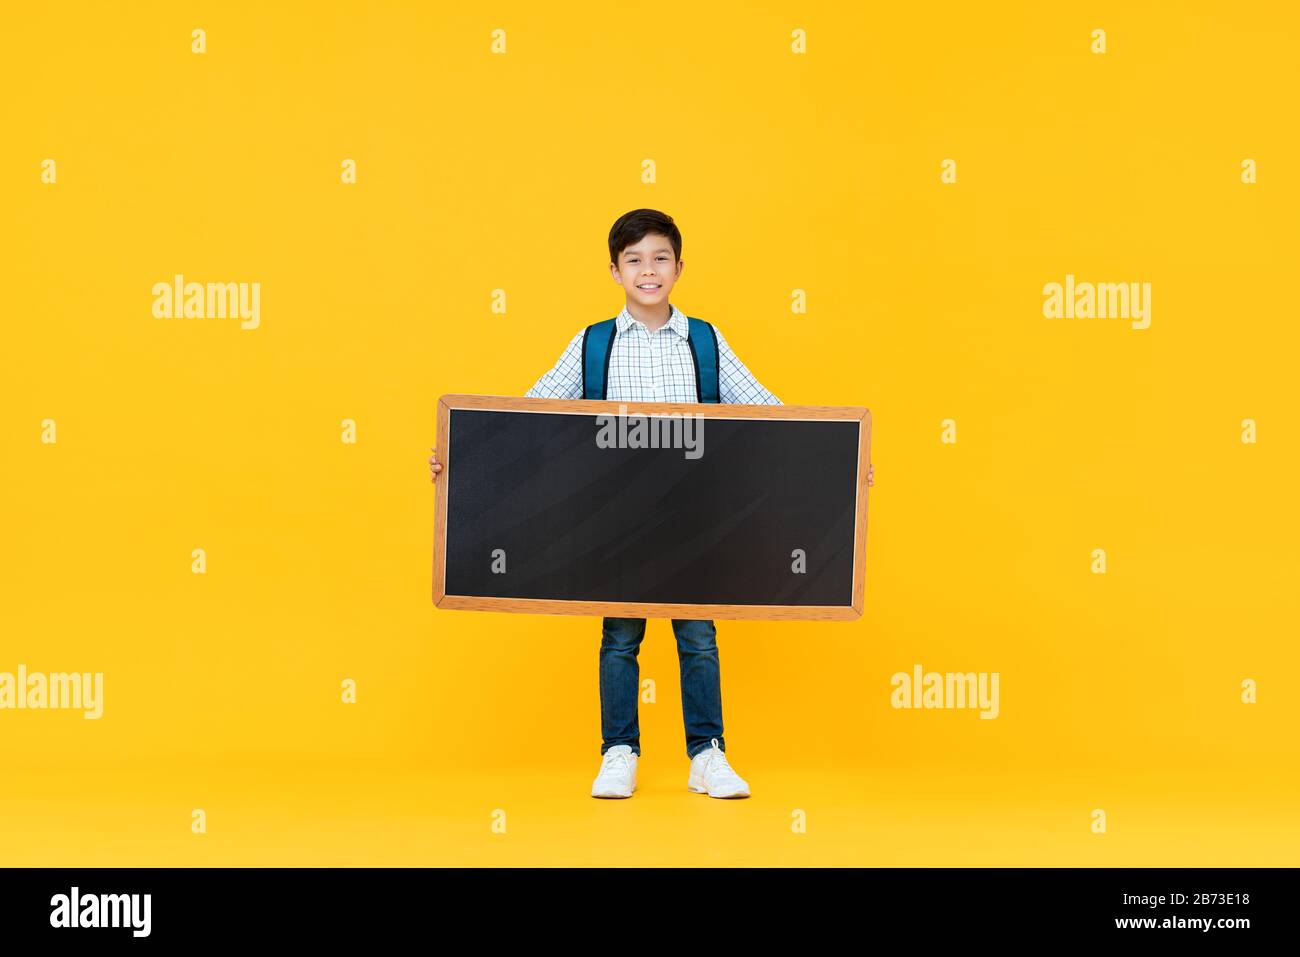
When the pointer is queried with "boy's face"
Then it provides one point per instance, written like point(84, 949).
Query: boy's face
point(651, 264)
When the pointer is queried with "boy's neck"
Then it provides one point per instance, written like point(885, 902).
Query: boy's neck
point(652, 317)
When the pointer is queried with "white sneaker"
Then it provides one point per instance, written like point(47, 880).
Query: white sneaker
point(617, 777)
point(712, 775)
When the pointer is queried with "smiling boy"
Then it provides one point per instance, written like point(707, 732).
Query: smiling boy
point(655, 353)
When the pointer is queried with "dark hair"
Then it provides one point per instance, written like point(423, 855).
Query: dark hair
point(632, 227)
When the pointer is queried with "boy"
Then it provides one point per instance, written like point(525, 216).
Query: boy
point(650, 360)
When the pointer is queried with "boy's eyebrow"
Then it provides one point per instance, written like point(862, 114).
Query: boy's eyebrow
point(631, 253)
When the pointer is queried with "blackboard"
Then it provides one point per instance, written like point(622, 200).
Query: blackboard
point(651, 509)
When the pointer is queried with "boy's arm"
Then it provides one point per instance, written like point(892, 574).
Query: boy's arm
point(736, 384)
point(564, 381)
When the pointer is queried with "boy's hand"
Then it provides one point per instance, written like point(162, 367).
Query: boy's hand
point(870, 480)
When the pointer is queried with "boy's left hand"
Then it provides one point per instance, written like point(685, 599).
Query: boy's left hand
point(870, 480)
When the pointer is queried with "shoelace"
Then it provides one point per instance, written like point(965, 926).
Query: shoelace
point(716, 760)
point(611, 759)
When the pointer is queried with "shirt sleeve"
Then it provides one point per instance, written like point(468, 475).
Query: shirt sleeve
point(564, 381)
point(736, 384)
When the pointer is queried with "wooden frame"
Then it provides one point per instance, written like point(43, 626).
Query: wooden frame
point(650, 609)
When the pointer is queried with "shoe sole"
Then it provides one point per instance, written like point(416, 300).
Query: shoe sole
point(616, 797)
point(702, 790)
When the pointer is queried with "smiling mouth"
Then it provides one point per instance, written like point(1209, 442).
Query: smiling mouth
point(649, 287)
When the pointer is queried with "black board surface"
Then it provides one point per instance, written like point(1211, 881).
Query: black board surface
point(537, 509)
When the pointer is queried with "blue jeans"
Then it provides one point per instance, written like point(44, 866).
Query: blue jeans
point(620, 683)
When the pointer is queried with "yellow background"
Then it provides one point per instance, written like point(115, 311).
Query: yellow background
point(818, 172)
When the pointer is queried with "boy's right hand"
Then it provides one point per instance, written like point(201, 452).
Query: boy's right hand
point(434, 465)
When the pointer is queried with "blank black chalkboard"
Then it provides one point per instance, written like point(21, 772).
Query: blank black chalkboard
point(758, 511)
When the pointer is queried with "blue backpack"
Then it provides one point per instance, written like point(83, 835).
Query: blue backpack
point(598, 343)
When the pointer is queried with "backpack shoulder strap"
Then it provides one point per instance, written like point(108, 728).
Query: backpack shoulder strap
point(597, 346)
point(704, 350)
